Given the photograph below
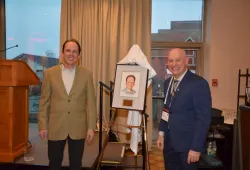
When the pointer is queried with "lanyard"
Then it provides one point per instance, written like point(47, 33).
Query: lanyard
point(169, 85)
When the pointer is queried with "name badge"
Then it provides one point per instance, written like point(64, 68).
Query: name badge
point(165, 114)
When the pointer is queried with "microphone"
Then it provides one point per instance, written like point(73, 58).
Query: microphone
point(9, 48)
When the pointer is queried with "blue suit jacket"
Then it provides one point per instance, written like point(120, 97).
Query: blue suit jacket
point(189, 114)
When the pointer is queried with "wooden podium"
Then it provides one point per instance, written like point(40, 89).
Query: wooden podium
point(15, 78)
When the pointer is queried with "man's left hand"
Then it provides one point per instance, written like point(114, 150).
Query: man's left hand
point(193, 156)
point(90, 135)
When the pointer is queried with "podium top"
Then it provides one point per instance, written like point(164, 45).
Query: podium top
point(16, 73)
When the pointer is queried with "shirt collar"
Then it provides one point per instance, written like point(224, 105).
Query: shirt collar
point(181, 77)
point(63, 68)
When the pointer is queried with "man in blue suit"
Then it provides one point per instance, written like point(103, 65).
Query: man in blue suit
point(186, 115)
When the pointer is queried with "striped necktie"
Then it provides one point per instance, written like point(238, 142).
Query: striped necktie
point(175, 84)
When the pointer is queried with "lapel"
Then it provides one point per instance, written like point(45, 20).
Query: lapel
point(182, 86)
point(74, 81)
point(167, 95)
point(58, 75)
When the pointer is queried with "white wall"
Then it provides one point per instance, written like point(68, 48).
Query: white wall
point(227, 45)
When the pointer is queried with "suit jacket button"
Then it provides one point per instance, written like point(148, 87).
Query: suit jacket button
point(68, 112)
point(68, 100)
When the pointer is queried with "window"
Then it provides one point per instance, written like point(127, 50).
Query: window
point(189, 52)
point(35, 27)
point(177, 20)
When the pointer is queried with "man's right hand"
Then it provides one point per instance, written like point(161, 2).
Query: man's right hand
point(160, 142)
point(43, 134)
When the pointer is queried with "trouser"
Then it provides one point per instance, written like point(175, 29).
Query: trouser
point(56, 150)
point(174, 160)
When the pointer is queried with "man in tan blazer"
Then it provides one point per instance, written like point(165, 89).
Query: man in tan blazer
point(67, 109)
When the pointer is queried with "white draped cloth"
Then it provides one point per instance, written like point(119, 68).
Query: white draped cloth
point(135, 55)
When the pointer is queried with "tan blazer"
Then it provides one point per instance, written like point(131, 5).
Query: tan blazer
point(62, 114)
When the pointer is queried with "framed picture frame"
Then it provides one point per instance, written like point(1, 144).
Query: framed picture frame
point(130, 87)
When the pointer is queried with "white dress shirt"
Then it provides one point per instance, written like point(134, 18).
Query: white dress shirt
point(68, 76)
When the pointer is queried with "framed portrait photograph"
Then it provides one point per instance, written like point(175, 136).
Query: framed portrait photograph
point(130, 87)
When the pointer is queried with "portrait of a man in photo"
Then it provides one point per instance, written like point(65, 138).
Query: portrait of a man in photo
point(129, 90)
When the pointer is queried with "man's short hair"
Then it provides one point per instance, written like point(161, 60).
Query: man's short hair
point(130, 76)
point(72, 40)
